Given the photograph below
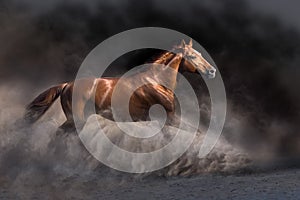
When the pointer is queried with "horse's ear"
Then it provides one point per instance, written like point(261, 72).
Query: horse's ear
point(191, 42)
point(182, 43)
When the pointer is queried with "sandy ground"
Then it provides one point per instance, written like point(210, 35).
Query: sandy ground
point(282, 184)
point(30, 169)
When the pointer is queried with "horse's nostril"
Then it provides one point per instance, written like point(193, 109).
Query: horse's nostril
point(212, 71)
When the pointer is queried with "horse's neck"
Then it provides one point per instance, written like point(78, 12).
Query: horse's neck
point(166, 72)
point(164, 58)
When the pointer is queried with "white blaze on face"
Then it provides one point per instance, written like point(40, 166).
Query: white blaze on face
point(200, 63)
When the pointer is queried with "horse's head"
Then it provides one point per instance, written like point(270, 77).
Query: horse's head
point(194, 61)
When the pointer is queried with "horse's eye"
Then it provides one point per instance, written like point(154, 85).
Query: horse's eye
point(191, 57)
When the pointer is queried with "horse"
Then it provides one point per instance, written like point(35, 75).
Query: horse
point(99, 91)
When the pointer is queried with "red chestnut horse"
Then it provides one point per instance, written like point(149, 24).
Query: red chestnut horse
point(186, 59)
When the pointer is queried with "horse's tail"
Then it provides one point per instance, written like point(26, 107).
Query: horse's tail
point(42, 103)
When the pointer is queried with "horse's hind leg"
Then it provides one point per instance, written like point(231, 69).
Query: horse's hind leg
point(78, 114)
point(66, 104)
point(75, 112)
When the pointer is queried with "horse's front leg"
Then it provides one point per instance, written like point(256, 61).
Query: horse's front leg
point(172, 119)
point(178, 122)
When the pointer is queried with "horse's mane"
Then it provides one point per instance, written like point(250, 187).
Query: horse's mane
point(158, 56)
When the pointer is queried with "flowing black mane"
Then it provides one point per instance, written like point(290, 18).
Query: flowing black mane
point(158, 54)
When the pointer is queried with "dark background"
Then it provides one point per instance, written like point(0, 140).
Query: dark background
point(256, 46)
